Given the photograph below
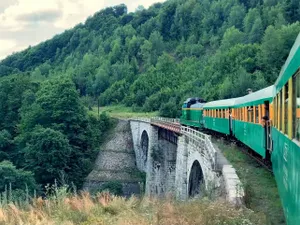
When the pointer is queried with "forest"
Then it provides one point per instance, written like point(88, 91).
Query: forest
point(151, 60)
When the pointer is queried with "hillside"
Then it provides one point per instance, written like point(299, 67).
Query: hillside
point(153, 59)
point(149, 60)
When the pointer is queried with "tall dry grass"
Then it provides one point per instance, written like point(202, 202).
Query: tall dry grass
point(105, 209)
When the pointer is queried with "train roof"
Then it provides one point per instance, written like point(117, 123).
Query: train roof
point(256, 98)
point(290, 67)
point(197, 105)
point(220, 104)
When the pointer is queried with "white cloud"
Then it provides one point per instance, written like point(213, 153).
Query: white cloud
point(132, 5)
point(27, 22)
point(77, 11)
point(66, 13)
point(12, 19)
point(8, 46)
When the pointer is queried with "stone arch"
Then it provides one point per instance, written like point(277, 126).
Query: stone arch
point(196, 179)
point(145, 146)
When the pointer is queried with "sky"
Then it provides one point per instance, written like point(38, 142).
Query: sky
point(29, 22)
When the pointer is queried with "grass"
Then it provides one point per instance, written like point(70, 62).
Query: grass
point(105, 209)
point(260, 186)
point(122, 112)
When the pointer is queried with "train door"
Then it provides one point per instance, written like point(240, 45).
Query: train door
point(267, 127)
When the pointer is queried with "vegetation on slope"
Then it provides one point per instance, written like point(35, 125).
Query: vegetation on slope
point(104, 209)
point(260, 186)
point(45, 134)
point(174, 50)
point(122, 112)
point(149, 60)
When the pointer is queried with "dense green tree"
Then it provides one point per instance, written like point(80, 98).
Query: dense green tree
point(5, 145)
point(57, 106)
point(250, 18)
point(232, 37)
point(169, 109)
point(11, 92)
point(47, 154)
point(17, 178)
point(256, 32)
point(236, 16)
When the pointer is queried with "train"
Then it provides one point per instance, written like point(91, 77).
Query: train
point(268, 122)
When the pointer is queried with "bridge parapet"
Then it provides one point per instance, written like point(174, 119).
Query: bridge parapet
point(165, 120)
point(203, 143)
point(200, 140)
point(142, 119)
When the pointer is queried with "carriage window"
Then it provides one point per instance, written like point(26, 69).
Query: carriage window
point(286, 108)
point(241, 114)
point(256, 114)
point(275, 112)
point(297, 107)
point(250, 113)
point(279, 111)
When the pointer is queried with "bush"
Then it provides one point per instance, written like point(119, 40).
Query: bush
point(15, 178)
point(169, 109)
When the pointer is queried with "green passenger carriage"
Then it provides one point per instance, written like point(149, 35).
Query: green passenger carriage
point(286, 135)
point(247, 127)
point(217, 115)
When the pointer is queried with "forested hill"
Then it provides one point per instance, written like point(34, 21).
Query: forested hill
point(156, 58)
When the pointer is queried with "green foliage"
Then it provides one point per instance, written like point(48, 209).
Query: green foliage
point(18, 179)
point(5, 144)
point(64, 132)
point(169, 109)
point(259, 184)
point(190, 47)
point(47, 154)
point(149, 60)
point(46, 129)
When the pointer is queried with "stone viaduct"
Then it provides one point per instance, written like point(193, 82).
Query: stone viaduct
point(180, 161)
